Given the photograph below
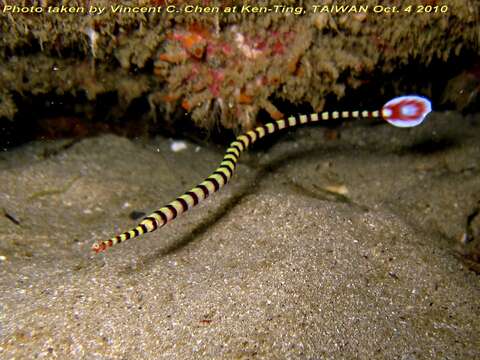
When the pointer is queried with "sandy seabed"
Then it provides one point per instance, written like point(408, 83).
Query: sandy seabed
point(320, 247)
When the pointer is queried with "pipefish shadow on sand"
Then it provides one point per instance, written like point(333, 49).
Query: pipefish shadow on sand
point(429, 146)
point(246, 189)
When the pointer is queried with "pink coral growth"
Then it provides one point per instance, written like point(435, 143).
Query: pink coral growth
point(228, 74)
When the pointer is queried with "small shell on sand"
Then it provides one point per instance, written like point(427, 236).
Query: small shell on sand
point(178, 145)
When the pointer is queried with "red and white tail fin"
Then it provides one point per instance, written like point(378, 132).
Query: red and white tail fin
point(406, 111)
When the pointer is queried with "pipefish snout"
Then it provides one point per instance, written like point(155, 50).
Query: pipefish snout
point(404, 111)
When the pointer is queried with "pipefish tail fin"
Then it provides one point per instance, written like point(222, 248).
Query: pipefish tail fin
point(406, 111)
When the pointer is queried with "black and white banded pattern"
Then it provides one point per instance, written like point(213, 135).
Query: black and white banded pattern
point(223, 173)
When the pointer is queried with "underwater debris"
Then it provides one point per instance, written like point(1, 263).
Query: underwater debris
point(178, 145)
point(339, 189)
point(463, 90)
point(405, 111)
point(10, 216)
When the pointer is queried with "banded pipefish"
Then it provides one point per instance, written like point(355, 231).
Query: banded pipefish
point(404, 111)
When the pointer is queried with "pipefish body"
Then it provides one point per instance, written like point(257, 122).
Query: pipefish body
point(404, 111)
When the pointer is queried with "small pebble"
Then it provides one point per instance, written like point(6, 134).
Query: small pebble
point(178, 145)
point(337, 189)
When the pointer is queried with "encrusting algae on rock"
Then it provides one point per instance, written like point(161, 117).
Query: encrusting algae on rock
point(230, 74)
point(219, 66)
